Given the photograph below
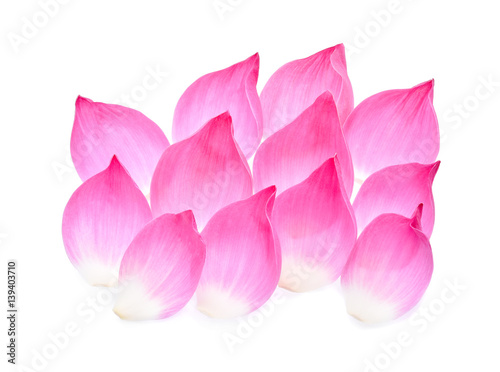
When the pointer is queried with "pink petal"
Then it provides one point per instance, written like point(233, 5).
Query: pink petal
point(389, 268)
point(161, 268)
point(397, 189)
point(202, 173)
point(297, 84)
point(243, 258)
point(290, 155)
point(393, 127)
point(100, 220)
point(232, 89)
point(101, 130)
point(315, 224)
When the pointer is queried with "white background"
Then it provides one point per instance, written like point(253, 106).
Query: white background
point(102, 50)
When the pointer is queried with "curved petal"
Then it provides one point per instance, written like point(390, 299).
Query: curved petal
point(243, 258)
point(296, 85)
point(290, 155)
point(233, 89)
point(102, 130)
point(393, 127)
point(100, 220)
point(161, 268)
point(389, 268)
point(202, 173)
point(316, 228)
point(397, 189)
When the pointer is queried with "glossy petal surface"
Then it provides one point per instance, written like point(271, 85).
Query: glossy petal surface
point(290, 155)
point(243, 262)
point(297, 84)
point(161, 268)
point(102, 130)
point(389, 268)
point(203, 173)
point(100, 220)
point(393, 127)
point(232, 89)
point(316, 229)
point(397, 189)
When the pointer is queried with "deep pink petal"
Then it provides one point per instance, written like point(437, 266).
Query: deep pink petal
point(316, 228)
point(102, 130)
point(243, 262)
point(397, 189)
point(393, 127)
point(232, 89)
point(100, 220)
point(297, 84)
point(161, 268)
point(389, 268)
point(290, 155)
point(202, 173)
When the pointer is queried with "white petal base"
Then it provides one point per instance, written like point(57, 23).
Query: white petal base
point(367, 308)
point(303, 277)
point(219, 304)
point(134, 303)
point(98, 274)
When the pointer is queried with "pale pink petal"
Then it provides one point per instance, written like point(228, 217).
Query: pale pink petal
point(100, 220)
point(393, 127)
point(243, 262)
point(102, 130)
point(389, 268)
point(161, 268)
point(397, 189)
point(297, 84)
point(232, 89)
point(203, 173)
point(316, 228)
point(290, 155)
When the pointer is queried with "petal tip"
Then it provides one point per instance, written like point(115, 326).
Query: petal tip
point(416, 218)
point(433, 170)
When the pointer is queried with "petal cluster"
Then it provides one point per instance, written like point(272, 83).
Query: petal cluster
point(228, 235)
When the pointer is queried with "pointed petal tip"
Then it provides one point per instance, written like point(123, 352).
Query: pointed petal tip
point(326, 97)
point(255, 58)
point(425, 88)
point(416, 218)
point(433, 170)
point(188, 217)
point(82, 102)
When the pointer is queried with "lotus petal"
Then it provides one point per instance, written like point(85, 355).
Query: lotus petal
point(161, 268)
point(290, 155)
point(233, 89)
point(202, 173)
point(389, 268)
point(102, 130)
point(397, 189)
point(100, 220)
point(243, 262)
point(393, 127)
point(316, 228)
point(297, 84)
